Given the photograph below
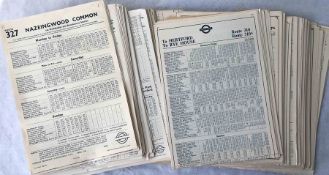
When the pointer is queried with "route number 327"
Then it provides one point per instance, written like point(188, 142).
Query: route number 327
point(12, 33)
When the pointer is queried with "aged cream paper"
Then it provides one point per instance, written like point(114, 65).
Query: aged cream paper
point(68, 86)
point(181, 45)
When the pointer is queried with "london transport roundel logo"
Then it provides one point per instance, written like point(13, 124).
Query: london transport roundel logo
point(121, 137)
point(205, 29)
